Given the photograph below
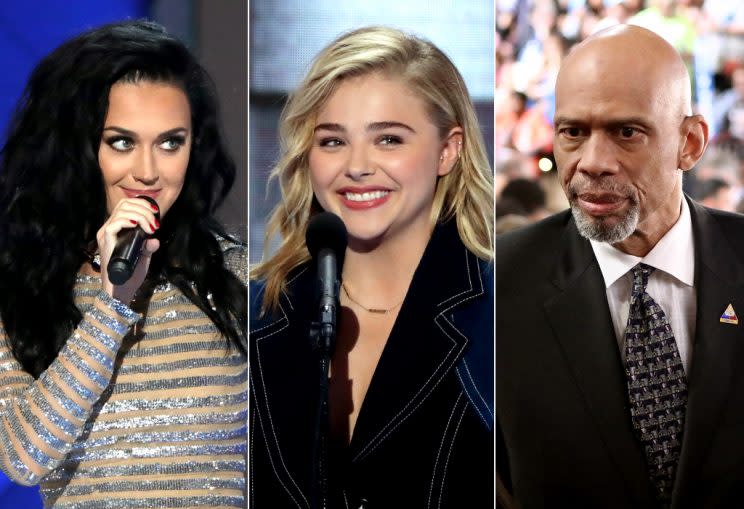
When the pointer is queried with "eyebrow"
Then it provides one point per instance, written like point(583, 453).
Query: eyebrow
point(374, 126)
point(132, 134)
point(615, 122)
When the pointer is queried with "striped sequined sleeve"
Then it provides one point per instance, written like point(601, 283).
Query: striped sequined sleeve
point(41, 419)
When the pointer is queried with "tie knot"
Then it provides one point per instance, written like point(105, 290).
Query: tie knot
point(641, 272)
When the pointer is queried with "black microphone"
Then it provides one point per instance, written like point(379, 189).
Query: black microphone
point(128, 248)
point(326, 240)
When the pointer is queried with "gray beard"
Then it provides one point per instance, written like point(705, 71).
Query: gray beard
point(601, 230)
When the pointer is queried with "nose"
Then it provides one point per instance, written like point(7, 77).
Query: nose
point(146, 170)
point(598, 156)
point(359, 164)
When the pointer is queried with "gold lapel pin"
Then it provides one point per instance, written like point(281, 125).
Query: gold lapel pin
point(729, 316)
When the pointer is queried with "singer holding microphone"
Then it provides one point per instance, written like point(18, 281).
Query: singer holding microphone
point(381, 133)
point(123, 367)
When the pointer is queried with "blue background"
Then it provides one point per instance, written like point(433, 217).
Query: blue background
point(30, 29)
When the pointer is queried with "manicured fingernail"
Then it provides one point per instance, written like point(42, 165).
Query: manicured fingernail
point(152, 227)
point(157, 223)
point(154, 208)
point(133, 221)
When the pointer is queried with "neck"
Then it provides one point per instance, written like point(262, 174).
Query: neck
point(650, 231)
point(380, 277)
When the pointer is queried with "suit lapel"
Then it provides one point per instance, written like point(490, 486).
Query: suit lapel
point(581, 319)
point(284, 374)
point(719, 279)
point(423, 345)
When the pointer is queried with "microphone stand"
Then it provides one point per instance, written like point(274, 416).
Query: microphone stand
point(323, 340)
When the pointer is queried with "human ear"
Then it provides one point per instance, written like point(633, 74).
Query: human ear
point(450, 151)
point(695, 139)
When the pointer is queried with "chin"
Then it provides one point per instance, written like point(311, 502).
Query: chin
point(365, 239)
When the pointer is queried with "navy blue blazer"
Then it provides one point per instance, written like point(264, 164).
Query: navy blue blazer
point(424, 434)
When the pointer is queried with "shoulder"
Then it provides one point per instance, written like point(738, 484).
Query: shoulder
point(235, 256)
point(293, 299)
point(731, 223)
point(256, 290)
point(528, 237)
point(531, 247)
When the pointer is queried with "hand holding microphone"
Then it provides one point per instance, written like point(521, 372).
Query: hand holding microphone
point(125, 243)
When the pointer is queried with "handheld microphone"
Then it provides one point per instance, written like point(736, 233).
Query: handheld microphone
point(326, 239)
point(128, 248)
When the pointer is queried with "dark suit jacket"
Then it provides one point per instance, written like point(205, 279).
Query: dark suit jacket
point(565, 432)
point(424, 435)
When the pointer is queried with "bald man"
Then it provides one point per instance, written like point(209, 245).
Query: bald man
point(618, 339)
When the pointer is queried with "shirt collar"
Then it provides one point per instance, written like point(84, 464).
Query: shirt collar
point(674, 254)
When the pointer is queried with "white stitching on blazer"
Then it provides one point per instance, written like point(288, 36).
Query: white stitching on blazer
point(439, 451)
point(271, 422)
point(449, 453)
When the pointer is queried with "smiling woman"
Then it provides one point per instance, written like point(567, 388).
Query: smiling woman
point(382, 133)
point(375, 160)
point(98, 399)
point(146, 143)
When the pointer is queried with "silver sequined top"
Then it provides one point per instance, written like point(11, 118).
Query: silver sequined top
point(136, 412)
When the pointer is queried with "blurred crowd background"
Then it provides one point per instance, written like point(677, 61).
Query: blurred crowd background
point(533, 36)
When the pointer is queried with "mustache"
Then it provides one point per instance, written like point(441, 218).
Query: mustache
point(599, 186)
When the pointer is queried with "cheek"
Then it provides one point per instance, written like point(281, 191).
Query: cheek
point(173, 169)
point(419, 168)
point(320, 172)
point(111, 167)
point(564, 172)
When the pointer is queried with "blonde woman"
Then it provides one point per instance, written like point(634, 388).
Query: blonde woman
point(382, 133)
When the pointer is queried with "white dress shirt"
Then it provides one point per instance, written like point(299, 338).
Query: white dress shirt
point(671, 284)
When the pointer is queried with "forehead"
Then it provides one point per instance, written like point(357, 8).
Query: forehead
point(603, 89)
point(376, 97)
point(146, 105)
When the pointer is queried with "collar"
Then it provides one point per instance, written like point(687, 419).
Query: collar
point(443, 268)
point(664, 256)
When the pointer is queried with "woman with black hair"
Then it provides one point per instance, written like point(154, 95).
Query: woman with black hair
point(130, 395)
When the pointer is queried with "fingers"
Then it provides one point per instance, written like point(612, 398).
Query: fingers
point(151, 245)
point(128, 213)
point(135, 211)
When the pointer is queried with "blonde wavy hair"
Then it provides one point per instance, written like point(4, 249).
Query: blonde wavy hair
point(465, 193)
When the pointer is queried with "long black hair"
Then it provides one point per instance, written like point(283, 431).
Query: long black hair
point(52, 195)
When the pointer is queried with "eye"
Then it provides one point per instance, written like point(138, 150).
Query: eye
point(390, 139)
point(628, 132)
point(172, 144)
point(330, 142)
point(120, 143)
point(571, 132)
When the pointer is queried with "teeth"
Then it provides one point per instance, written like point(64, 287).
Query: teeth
point(373, 195)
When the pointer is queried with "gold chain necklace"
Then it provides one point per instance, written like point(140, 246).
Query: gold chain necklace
point(378, 311)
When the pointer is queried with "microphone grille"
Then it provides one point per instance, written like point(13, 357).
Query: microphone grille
point(326, 230)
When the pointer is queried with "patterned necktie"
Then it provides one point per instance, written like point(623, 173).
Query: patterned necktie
point(656, 384)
